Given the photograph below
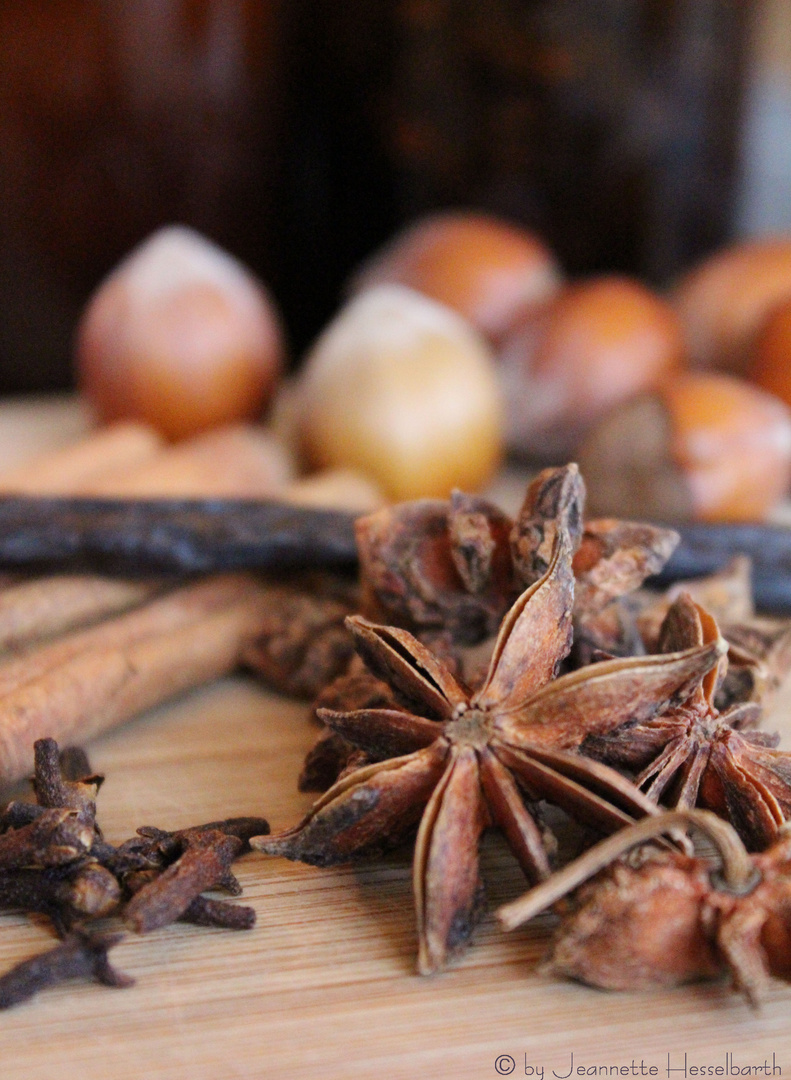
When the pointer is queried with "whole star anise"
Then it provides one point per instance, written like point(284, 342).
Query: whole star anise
point(454, 567)
point(467, 760)
point(668, 918)
point(694, 755)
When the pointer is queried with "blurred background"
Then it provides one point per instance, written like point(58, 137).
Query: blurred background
point(633, 135)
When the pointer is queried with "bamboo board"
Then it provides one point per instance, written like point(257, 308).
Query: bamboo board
point(324, 986)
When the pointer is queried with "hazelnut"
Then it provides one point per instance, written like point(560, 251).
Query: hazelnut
point(594, 344)
point(403, 390)
point(770, 357)
point(723, 301)
point(703, 446)
point(181, 336)
point(488, 270)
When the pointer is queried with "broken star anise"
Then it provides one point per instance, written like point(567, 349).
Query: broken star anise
point(468, 760)
point(669, 918)
point(694, 755)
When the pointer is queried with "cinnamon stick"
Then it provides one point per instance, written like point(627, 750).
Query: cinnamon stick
point(92, 680)
point(239, 461)
point(75, 468)
point(33, 611)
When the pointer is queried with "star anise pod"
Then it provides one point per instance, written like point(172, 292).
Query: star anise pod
point(467, 759)
point(759, 658)
point(457, 565)
point(694, 755)
point(726, 594)
point(667, 918)
point(759, 648)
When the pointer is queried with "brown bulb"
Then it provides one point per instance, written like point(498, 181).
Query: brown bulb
point(705, 447)
point(180, 336)
point(488, 270)
point(593, 345)
point(723, 301)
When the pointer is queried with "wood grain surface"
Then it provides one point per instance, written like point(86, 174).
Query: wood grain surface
point(324, 986)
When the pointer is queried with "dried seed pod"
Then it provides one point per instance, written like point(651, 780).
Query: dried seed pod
point(759, 658)
point(466, 759)
point(554, 501)
point(726, 595)
point(705, 447)
point(302, 643)
point(435, 565)
point(670, 918)
point(693, 755)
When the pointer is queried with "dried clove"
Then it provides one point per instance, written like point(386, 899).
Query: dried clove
point(204, 863)
point(79, 956)
point(201, 911)
point(54, 838)
point(66, 894)
point(182, 865)
point(17, 814)
point(53, 789)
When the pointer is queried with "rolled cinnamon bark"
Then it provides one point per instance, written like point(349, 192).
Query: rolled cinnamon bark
point(239, 461)
point(90, 681)
point(75, 468)
point(33, 611)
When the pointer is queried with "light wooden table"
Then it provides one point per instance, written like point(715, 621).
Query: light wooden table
point(324, 986)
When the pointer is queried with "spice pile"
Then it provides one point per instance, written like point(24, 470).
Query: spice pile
point(481, 669)
point(54, 860)
point(588, 671)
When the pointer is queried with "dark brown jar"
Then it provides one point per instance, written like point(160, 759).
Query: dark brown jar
point(610, 126)
point(116, 118)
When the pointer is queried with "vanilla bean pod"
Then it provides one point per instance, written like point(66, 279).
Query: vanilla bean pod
point(172, 535)
point(706, 548)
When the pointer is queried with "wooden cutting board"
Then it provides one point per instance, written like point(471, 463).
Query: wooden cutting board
point(325, 985)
